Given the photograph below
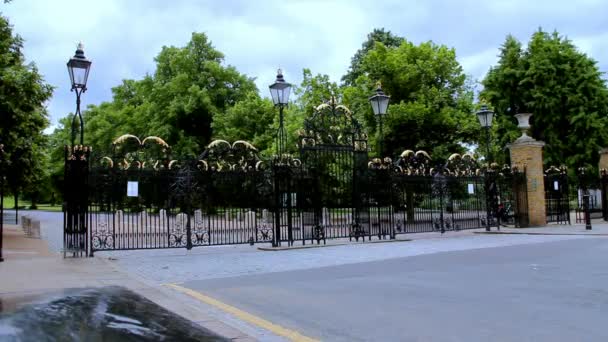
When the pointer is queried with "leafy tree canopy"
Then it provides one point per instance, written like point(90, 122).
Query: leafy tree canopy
point(23, 93)
point(376, 36)
point(431, 99)
point(563, 89)
point(190, 89)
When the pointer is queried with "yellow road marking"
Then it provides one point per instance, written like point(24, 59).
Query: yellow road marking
point(245, 316)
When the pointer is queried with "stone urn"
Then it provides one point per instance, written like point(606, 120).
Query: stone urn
point(523, 120)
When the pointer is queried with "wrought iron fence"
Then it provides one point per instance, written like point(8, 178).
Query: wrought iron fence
point(141, 198)
point(557, 202)
point(190, 203)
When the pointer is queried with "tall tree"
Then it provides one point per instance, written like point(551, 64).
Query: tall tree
point(431, 99)
point(376, 36)
point(190, 88)
point(23, 93)
point(563, 89)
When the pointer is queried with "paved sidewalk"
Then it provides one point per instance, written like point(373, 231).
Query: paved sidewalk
point(598, 228)
point(30, 269)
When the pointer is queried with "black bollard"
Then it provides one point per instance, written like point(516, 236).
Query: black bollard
point(587, 214)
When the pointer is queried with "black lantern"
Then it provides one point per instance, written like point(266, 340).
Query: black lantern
point(279, 90)
point(484, 115)
point(379, 101)
point(78, 68)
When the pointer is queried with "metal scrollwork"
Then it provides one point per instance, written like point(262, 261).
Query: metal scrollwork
point(102, 237)
point(286, 160)
point(78, 152)
point(462, 165)
point(332, 124)
point(380, 164)
point(221, 156)
point(265, 231)
point(129, 152)
point(177, 231)
point(414, 163)
point(200, 233)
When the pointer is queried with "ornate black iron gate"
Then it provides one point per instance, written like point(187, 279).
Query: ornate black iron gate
point(334, 158)
point(139, 197)
point(557, 200)
point(590, 185)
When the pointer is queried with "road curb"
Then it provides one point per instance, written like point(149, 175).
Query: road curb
point(278, 249)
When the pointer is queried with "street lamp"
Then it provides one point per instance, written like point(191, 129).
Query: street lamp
point(484, 115)
point(279, 91)
point(485, 120)
point(78, 68)
point(379, 102)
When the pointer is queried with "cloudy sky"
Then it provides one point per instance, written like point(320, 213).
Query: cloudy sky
point(123, 37)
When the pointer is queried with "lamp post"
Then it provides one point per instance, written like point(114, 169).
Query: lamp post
point(484, 115)
point(379, 102)
point(582, 180)
point(78, 68)
point(279, 91)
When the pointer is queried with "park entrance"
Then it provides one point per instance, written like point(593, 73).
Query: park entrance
point(140, 197)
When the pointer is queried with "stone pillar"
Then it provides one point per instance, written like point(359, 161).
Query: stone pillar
point(528, 152)
point(603, 164)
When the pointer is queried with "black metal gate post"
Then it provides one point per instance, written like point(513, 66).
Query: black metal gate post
point(76, 196)
point(276, 237)
point(587, 213)
point(584, 191)
point(491, 199)
point(604, 185)
point(557, 195)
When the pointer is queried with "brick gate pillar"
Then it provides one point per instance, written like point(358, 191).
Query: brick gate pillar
point(528, 152)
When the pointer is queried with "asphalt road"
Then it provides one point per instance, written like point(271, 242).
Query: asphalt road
point(552, 291)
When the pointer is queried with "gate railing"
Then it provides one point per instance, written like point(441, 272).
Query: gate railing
point(190, 203)
point(557, 200)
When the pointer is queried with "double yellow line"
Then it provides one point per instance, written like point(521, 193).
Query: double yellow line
point(244, 316)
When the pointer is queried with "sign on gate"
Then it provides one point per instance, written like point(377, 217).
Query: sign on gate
point(132, 189)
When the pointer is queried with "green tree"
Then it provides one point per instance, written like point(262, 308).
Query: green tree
point(251, 119)
point(563, 89)
point(431, 98)
point(189, 90)
point(377, 35)
point(23, 93)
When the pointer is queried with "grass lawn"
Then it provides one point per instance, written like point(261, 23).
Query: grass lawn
point(9, 203)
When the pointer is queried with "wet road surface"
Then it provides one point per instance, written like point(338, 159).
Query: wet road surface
point(105, 314)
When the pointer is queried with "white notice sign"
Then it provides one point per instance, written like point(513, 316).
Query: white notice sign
point(132, 189)
point(471, 189)
point(555, 185)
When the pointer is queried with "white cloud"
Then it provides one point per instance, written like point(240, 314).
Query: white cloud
point(123, 37)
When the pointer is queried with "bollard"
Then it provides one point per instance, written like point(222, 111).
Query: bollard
point(35, 229)
point(586, 209)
